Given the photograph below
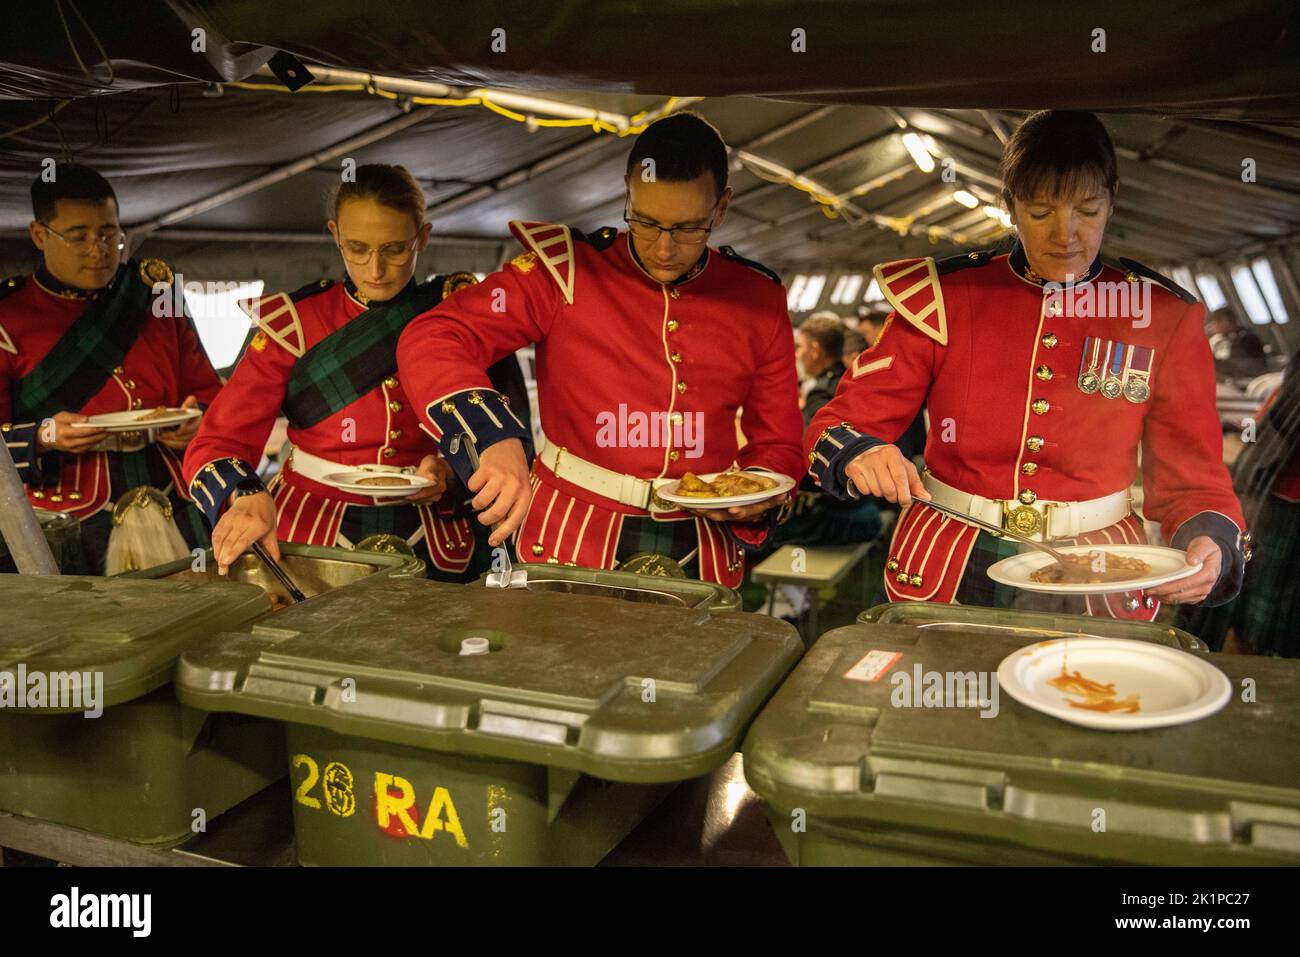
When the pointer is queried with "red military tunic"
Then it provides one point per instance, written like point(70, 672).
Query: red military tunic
point(166, 363)
point(380, 428)
point(615, 347)
point(996, 355)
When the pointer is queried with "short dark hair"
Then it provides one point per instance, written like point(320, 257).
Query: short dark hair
point(391, 186)
point(683, 146)
point(71, 181)
point(827, 333)
point(1060, 152)
point(854, 341)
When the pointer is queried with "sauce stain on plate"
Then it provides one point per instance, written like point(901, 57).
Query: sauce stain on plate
point(1096, 696)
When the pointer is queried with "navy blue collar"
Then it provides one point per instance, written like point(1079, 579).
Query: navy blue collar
point(1019, 264)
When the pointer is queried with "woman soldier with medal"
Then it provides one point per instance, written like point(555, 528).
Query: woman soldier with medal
point(326, 356)
point(1049, 378)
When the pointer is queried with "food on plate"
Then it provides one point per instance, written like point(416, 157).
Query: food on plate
point(387, 480)
point(162, 412)
point(725, 485)
point(1091, 568)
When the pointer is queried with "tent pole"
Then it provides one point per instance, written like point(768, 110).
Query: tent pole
point(18, 524)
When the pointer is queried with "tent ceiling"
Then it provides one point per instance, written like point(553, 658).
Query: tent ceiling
point(166, 147)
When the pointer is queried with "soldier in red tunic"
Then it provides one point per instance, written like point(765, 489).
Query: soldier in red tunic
point(85, 335)
point(325, 355)
point(648, 344)
point(1049, 377)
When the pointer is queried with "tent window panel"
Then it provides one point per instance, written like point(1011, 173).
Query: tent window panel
point(1183, 276)
point(1262, 270)
point(1251, 298)
point(222, 325)
point(795, 291)
point(873, 292)
point(1210, 292)
point(846, 290)
point(812, 293)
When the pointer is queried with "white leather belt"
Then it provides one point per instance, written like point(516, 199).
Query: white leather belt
point(1040, 520)
point(316, 468)
point(624, 489)
point(125, 441)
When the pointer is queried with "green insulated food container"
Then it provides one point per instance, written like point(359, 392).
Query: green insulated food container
point(62, 532)
point(313, 568)
point(853, 775)
point(626, 586)
point(546, 748)
point(1027, 624)
point(147, 769)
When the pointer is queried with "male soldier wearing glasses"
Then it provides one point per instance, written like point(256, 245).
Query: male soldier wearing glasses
point(85, 335)
point(648, 344)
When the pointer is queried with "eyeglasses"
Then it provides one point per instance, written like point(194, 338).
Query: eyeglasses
point(682, 235)
point(397, 254)
point(81, 240)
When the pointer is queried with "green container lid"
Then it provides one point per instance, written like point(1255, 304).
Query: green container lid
point(314, 568)
point(1225, 789)
point(130, 631)
point(1026, 624)
point(620, 690)
point(626, 586)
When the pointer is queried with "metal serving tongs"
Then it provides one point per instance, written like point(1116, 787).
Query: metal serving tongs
point(278, 571)
point(507, 577)
point(1069, 570)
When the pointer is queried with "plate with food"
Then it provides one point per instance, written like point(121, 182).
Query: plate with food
point(1094, 569)
point(377, 484)
point(1116, 684)
point(727, 489)
point(134, 420)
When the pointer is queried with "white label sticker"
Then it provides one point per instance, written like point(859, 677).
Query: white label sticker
point(873, 665)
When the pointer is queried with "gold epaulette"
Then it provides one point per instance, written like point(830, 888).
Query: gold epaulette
point(911, 286)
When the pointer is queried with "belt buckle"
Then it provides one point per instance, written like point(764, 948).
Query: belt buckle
point(1023, 520)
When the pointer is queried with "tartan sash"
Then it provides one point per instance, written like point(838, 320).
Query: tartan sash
point(85, 356)
point(355, 359)
point(1256, 469)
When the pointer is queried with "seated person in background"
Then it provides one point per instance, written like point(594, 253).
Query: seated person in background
point(1238, 352)
point(819, 342)
point(854, 345)
point(817, 518)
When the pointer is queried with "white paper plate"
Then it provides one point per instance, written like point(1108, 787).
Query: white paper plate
point(668, 492)
point(130, 421)
point(1172, 686)
point(347, 482)
point(1167, 565)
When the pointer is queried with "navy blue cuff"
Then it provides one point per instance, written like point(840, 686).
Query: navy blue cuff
point(1233, 546)
point(214, 483)
point(836, 447)
point(20, 440)
point(480, 414)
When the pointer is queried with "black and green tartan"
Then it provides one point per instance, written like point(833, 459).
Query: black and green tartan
point(676, 540)
point(353, 360)
point(1266, 615)
point(360, 522)
point(85, 356)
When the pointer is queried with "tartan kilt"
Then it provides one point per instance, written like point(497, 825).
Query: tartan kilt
point(360, 521)
point(677, 540)
point(1266, 615)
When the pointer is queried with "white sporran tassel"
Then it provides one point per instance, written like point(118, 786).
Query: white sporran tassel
point(144, 534)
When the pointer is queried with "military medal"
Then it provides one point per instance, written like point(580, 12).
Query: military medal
point(1089, 381)
point(1111, 387)
point(1137, 387)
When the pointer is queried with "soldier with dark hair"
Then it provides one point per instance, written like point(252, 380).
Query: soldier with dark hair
point(644, 326)
point(1040, 400)
point(84, 335)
